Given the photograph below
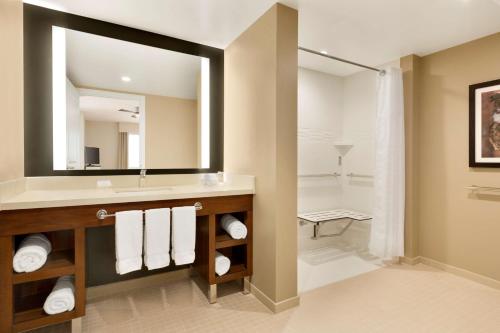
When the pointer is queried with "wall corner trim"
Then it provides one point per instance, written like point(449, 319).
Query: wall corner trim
point(275, 307)
point(410, 261)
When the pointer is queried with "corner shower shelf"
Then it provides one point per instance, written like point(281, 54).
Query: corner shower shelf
point(343, 144)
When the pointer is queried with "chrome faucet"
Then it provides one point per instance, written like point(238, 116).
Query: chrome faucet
point(142, 177)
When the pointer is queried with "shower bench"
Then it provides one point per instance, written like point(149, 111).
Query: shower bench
point(336, 215)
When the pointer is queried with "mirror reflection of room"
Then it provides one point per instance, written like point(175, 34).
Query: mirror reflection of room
point(108, 106)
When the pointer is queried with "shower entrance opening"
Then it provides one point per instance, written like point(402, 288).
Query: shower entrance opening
point(342, 164)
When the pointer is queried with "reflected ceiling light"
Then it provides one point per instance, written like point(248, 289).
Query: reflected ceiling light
point(126, 79)
point(323, 52)
point(45, 4)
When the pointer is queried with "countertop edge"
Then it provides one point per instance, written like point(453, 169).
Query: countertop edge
point(6, 206)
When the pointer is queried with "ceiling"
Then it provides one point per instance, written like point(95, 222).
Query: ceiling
point(151, 70)
point(96, 108)
point(365, 31)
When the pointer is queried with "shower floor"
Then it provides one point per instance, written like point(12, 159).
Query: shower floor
point(321, 266)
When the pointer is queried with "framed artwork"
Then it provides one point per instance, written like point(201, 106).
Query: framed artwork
point(484, 124)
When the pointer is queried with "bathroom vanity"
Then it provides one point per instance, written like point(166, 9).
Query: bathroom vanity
point(66, 215)
point(91, 112)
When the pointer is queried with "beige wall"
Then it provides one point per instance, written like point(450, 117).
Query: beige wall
point(455, 228)
point(103, 135)
point(11, 90)
point(171, 133)
point(260, 138)
point(132, 128)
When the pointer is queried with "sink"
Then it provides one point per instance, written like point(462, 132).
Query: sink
point(142, 189)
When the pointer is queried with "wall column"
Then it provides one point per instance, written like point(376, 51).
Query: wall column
point(260, 138)
point(410, 67)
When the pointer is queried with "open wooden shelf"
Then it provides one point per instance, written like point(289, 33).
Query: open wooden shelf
point(225, 240)
point(235, 272)
point(59, 263)
point(28, 310)
point(36, 317)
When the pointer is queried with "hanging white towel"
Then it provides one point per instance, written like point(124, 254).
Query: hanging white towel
point(128, 241)
point(157, 238)
point(32, 253)
point(62, 297)
point(183, 234)
point(222, 263)
point(233, 226)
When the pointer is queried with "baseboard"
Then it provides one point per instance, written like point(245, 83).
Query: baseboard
point(461, 272)
point(148, 281)
point(453, 270)
point(275, 307)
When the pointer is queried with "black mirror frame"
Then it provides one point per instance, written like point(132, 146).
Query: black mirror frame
point(38, 22)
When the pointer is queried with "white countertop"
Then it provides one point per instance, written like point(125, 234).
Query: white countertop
point(44, 198)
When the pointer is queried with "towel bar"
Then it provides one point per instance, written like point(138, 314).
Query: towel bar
point(103, 213)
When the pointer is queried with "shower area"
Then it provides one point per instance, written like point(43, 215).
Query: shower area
point(338, 149)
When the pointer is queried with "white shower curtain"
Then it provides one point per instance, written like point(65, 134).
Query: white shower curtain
point(387, 231)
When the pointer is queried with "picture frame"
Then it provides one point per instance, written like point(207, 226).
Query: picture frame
point(484, 124)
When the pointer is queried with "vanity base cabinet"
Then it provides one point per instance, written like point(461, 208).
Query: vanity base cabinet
point(22, 294)
point(211, 238)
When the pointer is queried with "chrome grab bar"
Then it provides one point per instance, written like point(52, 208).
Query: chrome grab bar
point(358, 175)
point(317, 175)
point(476, 188)
point(103, 213)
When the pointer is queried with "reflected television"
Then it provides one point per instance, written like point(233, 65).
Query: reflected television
point(92, 156)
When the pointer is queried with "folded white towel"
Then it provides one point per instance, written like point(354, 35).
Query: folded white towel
point(222, 263)
point(157, 238)
point(233, 226)
point(128, 241)
point(183, 234)
point(32, 253)
point(62, 297)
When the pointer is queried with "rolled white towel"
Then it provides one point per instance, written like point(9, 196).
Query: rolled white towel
point(233, 226)
point(222, 263)
point(62, 297)
point(32, 253)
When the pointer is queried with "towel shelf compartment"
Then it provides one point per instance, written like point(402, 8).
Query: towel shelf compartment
point(59, 263)
point(28, 306)
point(224, 240)
point(238, 256)
point(36, 318)
point(235, 272)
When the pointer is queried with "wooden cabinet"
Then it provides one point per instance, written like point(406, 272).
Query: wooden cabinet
point(22, 294)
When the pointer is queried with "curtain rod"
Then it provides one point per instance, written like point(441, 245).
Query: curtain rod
point(342, 60)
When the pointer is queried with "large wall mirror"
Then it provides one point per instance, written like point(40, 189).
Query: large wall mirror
point(115, 100)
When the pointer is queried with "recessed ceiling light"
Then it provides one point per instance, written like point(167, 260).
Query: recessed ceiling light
point(323, 52)
point(126, 79)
